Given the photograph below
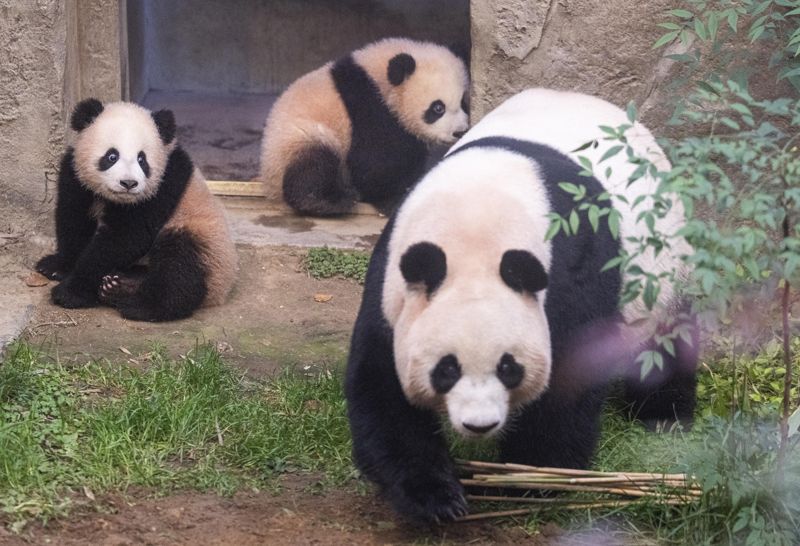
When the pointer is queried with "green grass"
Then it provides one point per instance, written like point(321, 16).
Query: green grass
point(197, 423)
point(323, 263)
point(191, 423)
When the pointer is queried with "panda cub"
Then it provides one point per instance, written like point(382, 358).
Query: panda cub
point(127, 193)
point(469, 310)
point(358, 129)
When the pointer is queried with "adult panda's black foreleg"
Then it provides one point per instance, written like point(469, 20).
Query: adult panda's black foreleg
point(396, 445)
point(173, 288)
point(74, 222)
point(314, 183)
point(557, 430)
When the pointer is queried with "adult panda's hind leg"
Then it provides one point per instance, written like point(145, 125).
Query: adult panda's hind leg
point(314, 183)
point(666, 395)
point(175, 284)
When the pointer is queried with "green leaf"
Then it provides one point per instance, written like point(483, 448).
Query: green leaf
point(594, 217)
point(584, 146)
point(612, 263)
point(665, 39)
point(569, 188)
point(611, 152)
point(552, 231)
point(631, 111)
point(733, 19)
point(794, 423)
point(682, 13)
point(614, 218)
point(574, 221)
point(700, 29)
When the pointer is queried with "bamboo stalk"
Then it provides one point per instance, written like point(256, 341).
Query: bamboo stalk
point(638, 492)
point(561, 503)
point(573, 506)
point(513, 467)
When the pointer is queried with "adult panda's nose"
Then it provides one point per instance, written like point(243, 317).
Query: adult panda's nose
point(480, 429)
point(128, 184)
point(458, 134)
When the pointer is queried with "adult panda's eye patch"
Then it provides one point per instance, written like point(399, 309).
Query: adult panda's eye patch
point(510, 372)
point(109, 158)
point(446, 374)
point(522, 272)
point(424, 263)
point(434, 112)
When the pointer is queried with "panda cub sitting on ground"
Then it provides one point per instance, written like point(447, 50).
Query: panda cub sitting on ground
point(358, 129)
point(468, 309)
point(127, 192)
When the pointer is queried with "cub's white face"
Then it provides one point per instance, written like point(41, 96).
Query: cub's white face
point(465, 291)
point(120, 155)
point(424, 84)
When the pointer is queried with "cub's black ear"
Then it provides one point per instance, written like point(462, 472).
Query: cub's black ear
point(85, 113)
point(424, 263)
point(165, 121)
point(401, 66)
point(522, 272)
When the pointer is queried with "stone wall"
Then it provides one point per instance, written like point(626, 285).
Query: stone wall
point(601, 48)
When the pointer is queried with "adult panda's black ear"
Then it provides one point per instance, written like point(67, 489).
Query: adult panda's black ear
point(424, 263)
point(522, 272)
point(165, 121)
point(85, 113)
point(401, 66)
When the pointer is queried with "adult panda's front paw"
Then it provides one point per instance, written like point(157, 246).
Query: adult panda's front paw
point(72, 295)
point(429, 496)
point(53, 267)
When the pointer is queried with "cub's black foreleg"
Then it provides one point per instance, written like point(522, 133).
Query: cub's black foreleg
point(397, 446)
point(74, 222)
point(108, 251)
point(173, 287)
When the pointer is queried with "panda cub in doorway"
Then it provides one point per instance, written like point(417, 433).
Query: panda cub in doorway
point(127, 193)
point(358, 129)
point(468, 308)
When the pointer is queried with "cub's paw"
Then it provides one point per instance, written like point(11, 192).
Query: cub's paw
point(429, 496)
point(116, 289)
point(52, 267)
point(67, 294)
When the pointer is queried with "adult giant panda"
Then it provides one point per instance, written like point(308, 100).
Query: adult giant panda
point(358, 129)
point(127, 192)
point(468, 309)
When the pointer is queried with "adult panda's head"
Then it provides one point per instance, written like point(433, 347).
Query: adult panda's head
point(423, 83)
point(121, 149)
point(465, 290)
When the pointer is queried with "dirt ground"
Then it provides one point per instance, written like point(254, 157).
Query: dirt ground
point(271, 321)
point(295, 515)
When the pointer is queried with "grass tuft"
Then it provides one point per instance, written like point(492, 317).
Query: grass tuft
point(192, 422)
point(323, 263)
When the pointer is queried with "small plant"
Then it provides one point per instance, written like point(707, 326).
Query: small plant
point(324, 262)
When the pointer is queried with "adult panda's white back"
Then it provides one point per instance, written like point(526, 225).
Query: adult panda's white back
point(565, 121)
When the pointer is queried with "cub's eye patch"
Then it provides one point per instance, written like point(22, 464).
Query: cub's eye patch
point(142, 160)
point(510, 372)
point(434, 111)
point(446, 374)
point(109, 158)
